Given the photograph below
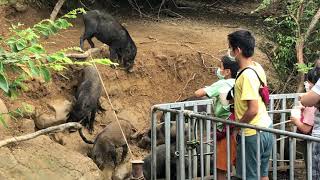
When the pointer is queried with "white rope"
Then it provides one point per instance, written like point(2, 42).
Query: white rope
point(113, 109)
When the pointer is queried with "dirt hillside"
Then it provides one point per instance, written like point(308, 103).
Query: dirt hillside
point(174, 59)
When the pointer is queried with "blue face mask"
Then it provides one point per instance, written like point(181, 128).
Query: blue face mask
point(218, 73)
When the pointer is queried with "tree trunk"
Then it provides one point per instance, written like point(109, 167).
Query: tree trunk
point(300, 45)
point(299, 49)
point(56, 9)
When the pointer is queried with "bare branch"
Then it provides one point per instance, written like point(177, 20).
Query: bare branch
point(86, 54)
point(56, 9)
point(313, 24)
point(53, 129)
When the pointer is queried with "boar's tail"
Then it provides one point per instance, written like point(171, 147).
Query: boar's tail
point(84, 138)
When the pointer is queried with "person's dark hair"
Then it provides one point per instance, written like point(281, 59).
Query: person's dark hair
point(230, 64)
point(313, 75)
point(244, 40)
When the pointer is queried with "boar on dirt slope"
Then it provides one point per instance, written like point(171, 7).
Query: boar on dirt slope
point(107, 141)
point(107, 30)
point(87, 98)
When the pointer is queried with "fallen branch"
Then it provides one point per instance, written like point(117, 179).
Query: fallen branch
point(185, 86)
point(53, 129)
point(203, 63)
point(86, 54)
point(200, 52)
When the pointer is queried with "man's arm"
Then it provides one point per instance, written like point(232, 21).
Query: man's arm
point(251, 112)
point(310, 99)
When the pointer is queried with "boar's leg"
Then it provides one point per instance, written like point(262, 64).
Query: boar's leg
point(113, 154)
point(124, 152)
point(86, 36)
point(91, 121)
point(90, 42)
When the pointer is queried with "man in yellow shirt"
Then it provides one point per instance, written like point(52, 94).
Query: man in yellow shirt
point(249, 106)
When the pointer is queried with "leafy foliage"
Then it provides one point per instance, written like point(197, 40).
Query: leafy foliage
point(19, 112)
point(27, 58)
point(285, 28)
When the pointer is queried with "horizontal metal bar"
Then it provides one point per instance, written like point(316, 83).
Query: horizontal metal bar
point(279, 111)
point(243, 125)
point(287, 96)
point(186, 104)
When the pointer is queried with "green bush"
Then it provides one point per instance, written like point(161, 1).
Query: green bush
point(285, 28)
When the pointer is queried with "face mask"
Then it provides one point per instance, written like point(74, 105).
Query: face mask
point(230, 56)
point(218, 73)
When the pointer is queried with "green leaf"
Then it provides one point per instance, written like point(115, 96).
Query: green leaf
point(45, 73)
point(36, 48)
point(4, 85)
point(58, 67)
point(21, 44)
point(33, 68)
point(3, 122)
point(62, 23)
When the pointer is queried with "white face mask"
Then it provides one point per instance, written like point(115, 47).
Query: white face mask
point(219, 74)
point(230, 56)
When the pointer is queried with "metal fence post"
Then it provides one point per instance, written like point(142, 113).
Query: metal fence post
point(243, 154)
point(258, 154)
point(228, 152)
point(309, 159)
point(214, 150)
point(181, 146)
point(168, 143)
point(153, 145)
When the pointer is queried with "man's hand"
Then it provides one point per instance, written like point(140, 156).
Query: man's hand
point(252, 111)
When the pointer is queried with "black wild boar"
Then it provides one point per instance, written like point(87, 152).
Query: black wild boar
point(161, 163)
point(87, 98)
point(107, 141)
point(145, 137)
point(107, 30)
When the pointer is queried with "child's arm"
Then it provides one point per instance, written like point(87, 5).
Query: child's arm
point(200, 93)
point(304, 128)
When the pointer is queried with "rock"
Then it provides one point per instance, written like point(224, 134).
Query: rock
point(20, 6)
point(123, 171)
point(42, 158)
point(27, 126)
point(58, 114)
point(62, 108)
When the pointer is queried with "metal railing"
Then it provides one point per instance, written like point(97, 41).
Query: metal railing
point(193, 130)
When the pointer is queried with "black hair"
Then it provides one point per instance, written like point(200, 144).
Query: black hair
point(230, 64)
point(313, 75)
point(244, 40)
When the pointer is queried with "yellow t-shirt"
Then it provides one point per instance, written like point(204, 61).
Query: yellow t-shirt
point(247, 88)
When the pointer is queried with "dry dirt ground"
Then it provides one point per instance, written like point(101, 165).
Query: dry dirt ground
point(173, 61)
